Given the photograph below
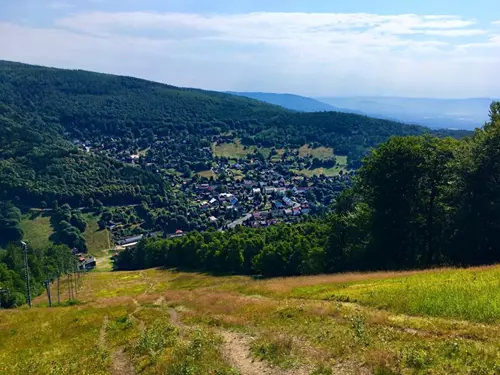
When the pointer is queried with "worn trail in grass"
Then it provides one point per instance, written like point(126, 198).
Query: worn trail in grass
point(426, 322)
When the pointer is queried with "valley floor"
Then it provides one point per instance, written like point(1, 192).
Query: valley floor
point(165, 322)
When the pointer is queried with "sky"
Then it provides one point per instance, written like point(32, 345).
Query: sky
point(425, 48)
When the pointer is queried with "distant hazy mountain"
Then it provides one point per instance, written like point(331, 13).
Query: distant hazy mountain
point(435, 113)
point(290, 101)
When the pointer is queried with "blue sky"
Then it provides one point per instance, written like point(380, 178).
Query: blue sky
point(429, 48)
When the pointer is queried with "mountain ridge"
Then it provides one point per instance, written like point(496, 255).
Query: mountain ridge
point(117, 116)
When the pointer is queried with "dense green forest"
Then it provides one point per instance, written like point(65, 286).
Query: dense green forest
point(66, 138)
point(274, 251)
point(418, 201)
point(44, 264)
point(43, 109)
point(37, 165)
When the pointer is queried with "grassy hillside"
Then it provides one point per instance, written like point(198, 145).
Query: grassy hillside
point(97, 240)
point(38, 230)
point(158, 321)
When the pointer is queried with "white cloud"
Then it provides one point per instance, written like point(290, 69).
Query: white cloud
point(264, 26)
point(307, 53)
point(60, 5)
point(496, 23)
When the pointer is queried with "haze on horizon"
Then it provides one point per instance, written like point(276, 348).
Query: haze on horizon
point(310, 48)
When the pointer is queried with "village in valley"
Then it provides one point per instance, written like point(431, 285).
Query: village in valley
point(226, 185)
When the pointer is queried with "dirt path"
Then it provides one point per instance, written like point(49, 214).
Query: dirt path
point(160, 301)
point(102, 332)
point(236, 350)
point(132, 316)
point(174, 318)
point(120, 364)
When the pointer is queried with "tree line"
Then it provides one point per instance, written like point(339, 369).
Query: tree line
point(10, 223)
point(274, 251)
point(48, 263)
point(417, 202)
point(69, 226)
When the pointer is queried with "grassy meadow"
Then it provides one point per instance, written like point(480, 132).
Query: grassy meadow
point(236, 151)
point(324, 153)
point(37, 232)
point(37, 229)
point(207, 174)
point(166, 322)
point(97, 240)
point(233, 150)
point(329, 172)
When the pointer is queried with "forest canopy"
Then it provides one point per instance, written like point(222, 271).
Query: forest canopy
point(417, 202)
point(43, 110)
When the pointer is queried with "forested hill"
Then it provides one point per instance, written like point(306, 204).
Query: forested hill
point(43, 108)
point(37, 165)
point(290, 101)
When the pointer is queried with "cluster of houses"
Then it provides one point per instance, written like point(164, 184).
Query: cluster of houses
point(262, 197)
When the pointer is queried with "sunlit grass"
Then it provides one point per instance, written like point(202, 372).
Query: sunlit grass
point(374, 323)
point(464, 294)
point(97, 240)
point(37, 229)
point(320, 152)
point(207, 174)
point(233, 150)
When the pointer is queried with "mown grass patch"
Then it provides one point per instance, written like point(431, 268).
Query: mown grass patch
point(233, 150)
point(37, 229)
point(341, 160)
point(323, 153)
point(207, 174)
point(97, 240)
point(329, 172)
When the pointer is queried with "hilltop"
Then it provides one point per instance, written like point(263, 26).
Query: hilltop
point(291, 101)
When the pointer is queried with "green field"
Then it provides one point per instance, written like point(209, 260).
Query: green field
point(435, 322)
point(37, 229)
point(320, 152)
point(97, 240)
point(465, 294)
point(236, 150)
point(329, 172)
point(233, 150)
point(207, 174)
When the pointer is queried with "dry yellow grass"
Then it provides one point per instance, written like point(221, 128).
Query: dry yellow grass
point(301, 335)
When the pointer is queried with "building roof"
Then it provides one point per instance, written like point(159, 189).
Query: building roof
point(130, 240)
